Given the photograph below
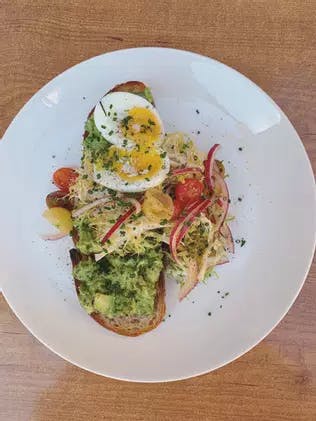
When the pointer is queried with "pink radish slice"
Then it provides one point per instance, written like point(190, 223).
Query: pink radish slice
point(209, 166)
point(223, 202)
point(183, 224)
point(187, 170)
point(229, 241)
point(117, 224)
point(53, 237)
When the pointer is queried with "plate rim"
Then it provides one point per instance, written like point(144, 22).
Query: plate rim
point(310, 258)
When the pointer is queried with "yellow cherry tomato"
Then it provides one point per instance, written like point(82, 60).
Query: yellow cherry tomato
point(157, 205)
point(60, 218)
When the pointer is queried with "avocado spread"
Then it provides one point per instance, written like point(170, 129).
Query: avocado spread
point(120, 286)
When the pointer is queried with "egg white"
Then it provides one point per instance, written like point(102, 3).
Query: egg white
point(119, 103)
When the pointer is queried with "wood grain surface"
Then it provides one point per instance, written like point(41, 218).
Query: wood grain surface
point(271, 42)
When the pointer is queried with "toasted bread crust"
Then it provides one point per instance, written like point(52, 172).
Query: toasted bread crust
point(135, 326)
point(132, 86)
point(125, 325)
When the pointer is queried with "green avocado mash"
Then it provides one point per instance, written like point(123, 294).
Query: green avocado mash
point(95, 144)
point(87, 242)
point(120, 286)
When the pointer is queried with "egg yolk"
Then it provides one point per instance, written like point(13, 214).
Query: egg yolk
point(135, 165)
point(141, 126)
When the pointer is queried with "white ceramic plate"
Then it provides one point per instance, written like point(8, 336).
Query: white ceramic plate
point(276, 217)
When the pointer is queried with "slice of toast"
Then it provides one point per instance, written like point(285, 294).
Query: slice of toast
point(128, 326)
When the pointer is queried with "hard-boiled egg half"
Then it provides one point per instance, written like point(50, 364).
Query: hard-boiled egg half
point(135, 161)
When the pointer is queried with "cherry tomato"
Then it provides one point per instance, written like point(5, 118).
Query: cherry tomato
point(189, 191)
point(186, 193)
point(177, 208)
point(64, 178)
point(59, 199)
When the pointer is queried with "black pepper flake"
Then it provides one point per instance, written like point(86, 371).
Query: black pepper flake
point(240, 148)
point(243, 242)
point(53, 156)
point(218, 292)
point(169, 315)
point(198, 132)
point(239, 199)
point(197, 111)
point(220, 306)
point(228, 200)
point(193, 302)
point(209, 313)
point(226, 293)
point(83, 97)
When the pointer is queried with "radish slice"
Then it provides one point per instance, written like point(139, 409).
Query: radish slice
point(118, 223)
point(183, 224)
point(137, 205)
point(106, 200)
point(190, 282)
point(194, 212)
point(229, 241)
point(53, 237)
point(223, 201)
point(92, 205)
point(209, 166)
point(222, 261)
point(180, 171)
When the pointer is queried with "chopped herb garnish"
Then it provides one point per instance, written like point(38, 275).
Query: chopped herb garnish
point(163, 155)
point(152, 123)
point(98, 176)
point(85, 176)
point(243, 242)
point(103, 126)
point(110, 133)
point(111, 106)
point(147, 179)
point(149, 167)
point(125, 121)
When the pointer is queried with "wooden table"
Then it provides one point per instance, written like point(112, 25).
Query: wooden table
point(273, 43)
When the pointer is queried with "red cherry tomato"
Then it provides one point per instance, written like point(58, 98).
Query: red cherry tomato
point(64, 177)
point(186, 193)
point(189, 191)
